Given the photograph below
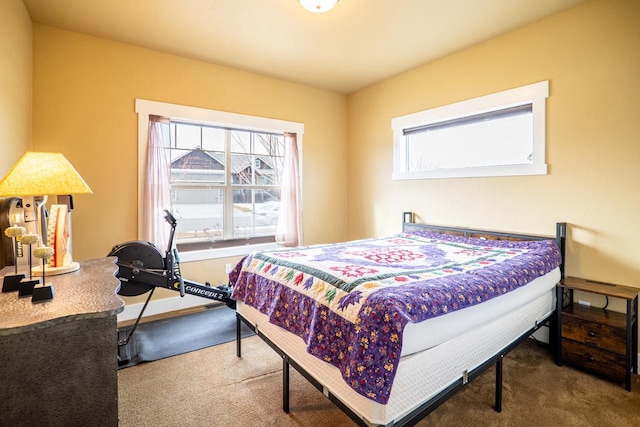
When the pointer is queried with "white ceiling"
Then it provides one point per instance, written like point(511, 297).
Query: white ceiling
point(356, 44)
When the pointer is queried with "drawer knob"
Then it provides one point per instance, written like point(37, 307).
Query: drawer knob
point(592, 334)
point(591, 359)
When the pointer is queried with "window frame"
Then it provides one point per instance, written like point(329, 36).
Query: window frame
point(534, 94)
point(145, 108)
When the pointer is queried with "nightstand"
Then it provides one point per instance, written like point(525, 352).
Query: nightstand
point(597, 340)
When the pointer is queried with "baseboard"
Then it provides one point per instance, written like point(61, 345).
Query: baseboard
point(161, 306)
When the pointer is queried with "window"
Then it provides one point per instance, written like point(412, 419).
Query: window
point(226, 174)
point(225, 185)
point(501, 134)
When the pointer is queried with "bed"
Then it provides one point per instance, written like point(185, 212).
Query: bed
point(390, 328)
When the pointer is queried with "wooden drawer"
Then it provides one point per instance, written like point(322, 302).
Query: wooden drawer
point(595, 360)
point(594, 334)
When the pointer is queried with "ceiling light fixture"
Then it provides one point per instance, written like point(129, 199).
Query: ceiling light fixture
point(318, 6)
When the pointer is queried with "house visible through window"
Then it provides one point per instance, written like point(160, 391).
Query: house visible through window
point(226, 175)
point(225, 184)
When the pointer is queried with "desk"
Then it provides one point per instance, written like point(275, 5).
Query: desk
point(58, 361)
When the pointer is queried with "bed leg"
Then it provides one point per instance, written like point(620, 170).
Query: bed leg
point(238, 336)
point(285, 384)
point(498, 406)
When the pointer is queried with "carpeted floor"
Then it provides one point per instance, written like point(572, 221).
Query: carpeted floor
point(212, 387)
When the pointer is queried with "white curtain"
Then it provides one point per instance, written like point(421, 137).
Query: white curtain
point(157, 188)
point(289, 228)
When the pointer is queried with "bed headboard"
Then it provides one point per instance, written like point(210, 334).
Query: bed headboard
point(409, 224)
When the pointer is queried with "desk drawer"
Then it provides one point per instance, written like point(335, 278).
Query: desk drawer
point(594, 334)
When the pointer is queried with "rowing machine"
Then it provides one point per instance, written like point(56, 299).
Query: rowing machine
point(141, 268)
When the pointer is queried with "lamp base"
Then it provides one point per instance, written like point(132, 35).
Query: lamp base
point(42, 293)
point(11, 283)
point(53, 271)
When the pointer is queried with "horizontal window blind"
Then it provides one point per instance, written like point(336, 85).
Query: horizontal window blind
point(467, 120)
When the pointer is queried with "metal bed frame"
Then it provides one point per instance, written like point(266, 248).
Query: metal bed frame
point(409, 224)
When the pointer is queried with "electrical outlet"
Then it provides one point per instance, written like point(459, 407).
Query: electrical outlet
point(227, 268)
point(585, 303)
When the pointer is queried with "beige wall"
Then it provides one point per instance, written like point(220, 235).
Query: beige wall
point(84, 94)
point(591, 56)
point(15, 83)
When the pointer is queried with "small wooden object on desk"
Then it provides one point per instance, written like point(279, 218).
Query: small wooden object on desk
point(598, 340)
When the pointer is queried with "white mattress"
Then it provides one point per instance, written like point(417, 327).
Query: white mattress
point(420, 375)
point(423, 335)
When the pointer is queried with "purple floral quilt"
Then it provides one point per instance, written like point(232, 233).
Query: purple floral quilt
point(350, 302)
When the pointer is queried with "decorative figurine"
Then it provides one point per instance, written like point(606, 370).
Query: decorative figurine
point(11, 283)
point(44, 292)
point(26, 286)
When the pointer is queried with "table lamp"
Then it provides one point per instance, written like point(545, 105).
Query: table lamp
point(36, 176)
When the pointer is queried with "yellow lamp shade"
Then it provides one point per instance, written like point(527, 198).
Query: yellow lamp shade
point(39, 174)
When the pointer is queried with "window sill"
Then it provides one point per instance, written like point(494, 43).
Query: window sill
point(233, 251)
point(508, 170)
